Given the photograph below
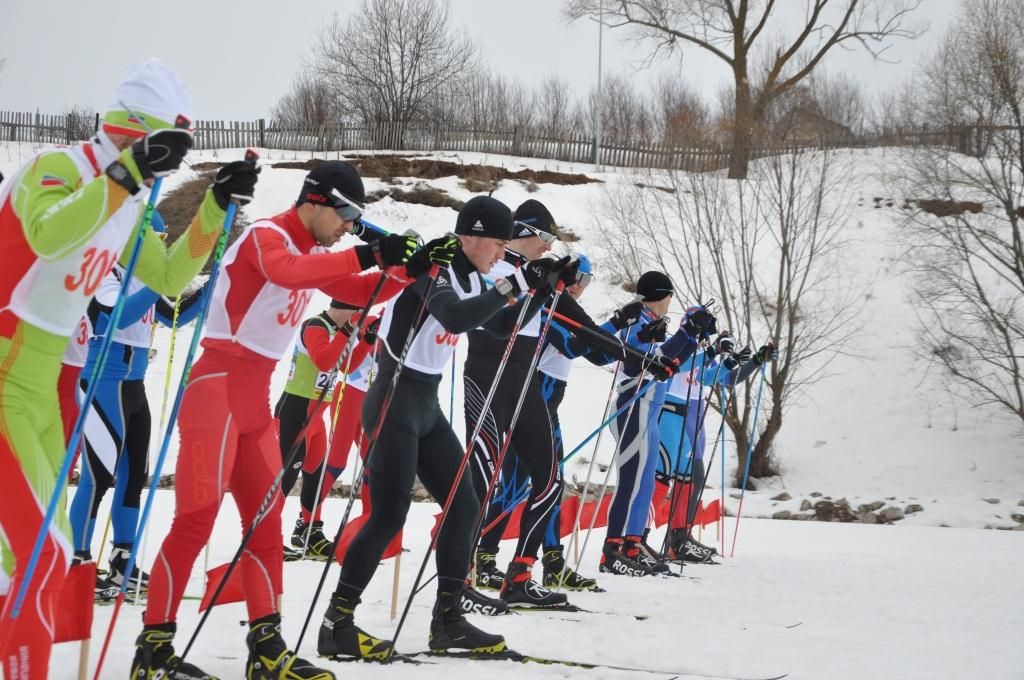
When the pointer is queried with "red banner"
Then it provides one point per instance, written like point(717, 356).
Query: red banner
point(74, 608)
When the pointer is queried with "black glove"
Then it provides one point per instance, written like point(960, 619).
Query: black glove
point(698, 323)
point(765, 353)
point(627, 315)
point(654, 331)
point(537, 274)
point(724, 344)
point(394, 249)
point(440, 251)
point(160, 153)
point(663, 368)
point(569, 271)
point(235, 181)
point(370, 332)
point(737, 359)
point(366, 234)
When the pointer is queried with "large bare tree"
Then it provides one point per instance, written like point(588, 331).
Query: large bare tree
point(768, 250)
point(767, 58)
point(391, 58)
point(967, 236)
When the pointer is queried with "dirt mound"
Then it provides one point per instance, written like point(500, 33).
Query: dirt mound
point(476, 175)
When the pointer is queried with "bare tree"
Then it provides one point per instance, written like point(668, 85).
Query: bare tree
point(732, 30)
point(681, 117)
point(968, 233)
point(768, 250)
point(391, 59)
point(306, 105)
point(80, 121)
point(553, 105)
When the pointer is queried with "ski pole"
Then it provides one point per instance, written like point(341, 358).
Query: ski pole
point(726, 402)
point(229, 219)
point(574, 541)
point(90, 393)
point(371, 446)
point(464, 462)
point(608, 421)
point(523, 496)
point(163, 417)
point(750, 451)
point(268, 500)
point(691, 462)
point(323, 464)
point(638, 393)
point(721, 434)
point(503, 451)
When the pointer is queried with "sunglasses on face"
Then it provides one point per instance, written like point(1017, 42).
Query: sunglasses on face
point(346, 209)
point(542, 235)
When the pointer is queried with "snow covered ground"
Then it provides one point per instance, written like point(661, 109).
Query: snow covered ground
point(906, 601)
point(818, 601)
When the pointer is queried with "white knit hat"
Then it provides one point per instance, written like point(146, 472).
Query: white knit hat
point(150, 97)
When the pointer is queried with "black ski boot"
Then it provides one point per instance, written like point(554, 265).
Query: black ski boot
point(270, 658)
point(682, 548)
point(701, 546)
point(119, 564)
point(81, 557)
point(292, 554)
point(649, 558)
point(155, 658)
point(340, 636)
point(475, 602)
point(488, 576)
point(613, 561)
point(520, 588)
point(557, 573)
point(319, 547)
point(105, 592)
point(450, 631)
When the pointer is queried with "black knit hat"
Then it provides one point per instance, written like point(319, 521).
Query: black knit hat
point(484, 216)
point(328, 176)
point(654, 286)
point(341, 304)
point(535, 214)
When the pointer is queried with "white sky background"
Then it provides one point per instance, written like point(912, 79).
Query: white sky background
point(239, 57)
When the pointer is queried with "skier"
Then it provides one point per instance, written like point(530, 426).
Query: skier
point(681, 459)
point(563, 345)
point(322, 339)
point(66, 216)
point(526, 455)
point(532, 443)
point(228, 440)
point(118, 423)
point(414, 436)
point(636, 428)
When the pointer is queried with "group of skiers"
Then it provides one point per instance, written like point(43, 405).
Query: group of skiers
point(67, 218)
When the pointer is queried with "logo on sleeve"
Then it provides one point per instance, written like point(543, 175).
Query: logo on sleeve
point(49, 180)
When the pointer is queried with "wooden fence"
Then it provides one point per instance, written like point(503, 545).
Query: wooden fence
point(575, 147)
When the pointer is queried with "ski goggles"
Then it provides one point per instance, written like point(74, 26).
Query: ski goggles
point(539, 233)
point(347, 210)
point(583, 279)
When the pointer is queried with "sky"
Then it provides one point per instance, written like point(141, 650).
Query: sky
point(238, 58)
